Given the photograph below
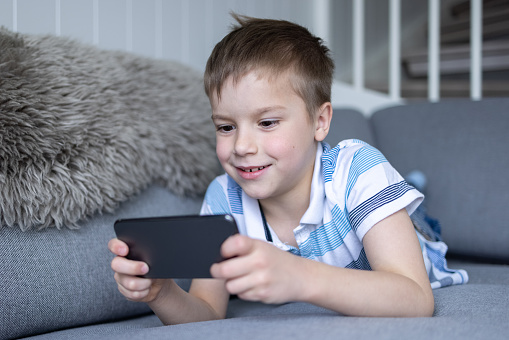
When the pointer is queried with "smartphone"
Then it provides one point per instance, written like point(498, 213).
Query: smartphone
point(176, 246)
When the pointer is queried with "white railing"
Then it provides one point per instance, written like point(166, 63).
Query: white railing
point(395, 50)
point(358, 45)
point(186, 30)
point(476, 50)
point(434, 51)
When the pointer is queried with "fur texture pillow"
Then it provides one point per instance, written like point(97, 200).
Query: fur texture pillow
point(83, 129)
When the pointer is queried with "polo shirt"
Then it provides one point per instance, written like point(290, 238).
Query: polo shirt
point(353, 188)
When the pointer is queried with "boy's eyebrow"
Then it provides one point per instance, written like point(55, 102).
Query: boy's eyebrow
point(258, 112)
point(218, 117)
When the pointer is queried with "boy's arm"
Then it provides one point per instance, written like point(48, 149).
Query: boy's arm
point(397, 286)
point(207, 300)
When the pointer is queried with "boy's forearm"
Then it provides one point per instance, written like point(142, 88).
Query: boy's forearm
point(176, 306)
point(365, 293)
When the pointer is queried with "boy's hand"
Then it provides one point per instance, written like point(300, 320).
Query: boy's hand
point(259, 271)
point(134, 288)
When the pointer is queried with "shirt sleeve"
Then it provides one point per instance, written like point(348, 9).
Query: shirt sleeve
point(216, 202)
point(375, 190)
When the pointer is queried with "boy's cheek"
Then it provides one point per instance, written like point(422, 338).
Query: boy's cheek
point(222, 152)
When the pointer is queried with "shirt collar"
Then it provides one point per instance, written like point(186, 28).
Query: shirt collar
point(253, 217)
point(314, 213)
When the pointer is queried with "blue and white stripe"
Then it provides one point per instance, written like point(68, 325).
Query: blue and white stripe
point(215, 199)
point(364, 159)
point(386, 196)
point(438, 272)
point(235, 196)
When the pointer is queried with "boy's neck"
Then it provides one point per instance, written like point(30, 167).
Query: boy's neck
point(285, 210)
point(283, 214)
point(284, 217)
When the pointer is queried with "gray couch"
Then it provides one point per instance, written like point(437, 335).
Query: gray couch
point(57, 284)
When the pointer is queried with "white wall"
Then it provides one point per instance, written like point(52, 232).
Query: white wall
point(183, 30)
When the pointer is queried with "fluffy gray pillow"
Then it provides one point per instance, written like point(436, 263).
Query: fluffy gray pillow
point(83, 129)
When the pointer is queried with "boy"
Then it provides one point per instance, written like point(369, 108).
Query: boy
point(339, 209)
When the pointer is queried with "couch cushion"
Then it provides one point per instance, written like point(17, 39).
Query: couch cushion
point(55, 279)
point(477, 310)
point(349, 124)
point(461, 146)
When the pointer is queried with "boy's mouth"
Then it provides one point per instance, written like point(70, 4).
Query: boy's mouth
point(253, 169)
point(252, 172)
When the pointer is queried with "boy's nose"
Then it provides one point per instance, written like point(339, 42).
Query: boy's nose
point(245, 144)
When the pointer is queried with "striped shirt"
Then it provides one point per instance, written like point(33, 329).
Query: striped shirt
point(353, 188)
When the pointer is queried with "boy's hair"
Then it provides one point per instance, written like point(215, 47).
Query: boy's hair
point(273, 47)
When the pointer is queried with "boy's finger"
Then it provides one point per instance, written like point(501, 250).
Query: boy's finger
point(118, 247)
point(237, 245)
point(231, 268)
point(122, 265)
point(242, 283)
point(133, 295)
point(132, 283)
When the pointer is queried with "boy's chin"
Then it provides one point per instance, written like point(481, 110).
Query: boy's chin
point(255, 191)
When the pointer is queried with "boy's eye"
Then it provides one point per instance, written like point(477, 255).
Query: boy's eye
point(268, 123)
point(225, 128)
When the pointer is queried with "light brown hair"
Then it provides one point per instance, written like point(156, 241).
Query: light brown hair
point(272, 47)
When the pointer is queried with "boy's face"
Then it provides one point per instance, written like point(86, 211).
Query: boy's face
point(265, 139)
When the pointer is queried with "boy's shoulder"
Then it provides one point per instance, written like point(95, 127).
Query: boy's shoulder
point(349, 150)
point(349, 156)
point(347, 145)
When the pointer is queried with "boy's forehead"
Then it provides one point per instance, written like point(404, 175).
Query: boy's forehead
point(255, 94)
point(264, 78)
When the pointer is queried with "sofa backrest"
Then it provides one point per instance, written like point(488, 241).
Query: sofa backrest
point(461, 147)
point(349, 124)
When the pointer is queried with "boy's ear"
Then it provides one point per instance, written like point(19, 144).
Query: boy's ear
point(323, 119)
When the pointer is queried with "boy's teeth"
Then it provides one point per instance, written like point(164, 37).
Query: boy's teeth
point(254, 169)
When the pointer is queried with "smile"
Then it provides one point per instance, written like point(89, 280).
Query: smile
point(252, 173)
point(253, 169)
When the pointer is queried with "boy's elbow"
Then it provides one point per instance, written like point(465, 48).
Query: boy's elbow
point(422, 305)
point(427, 306)
point(430, 308)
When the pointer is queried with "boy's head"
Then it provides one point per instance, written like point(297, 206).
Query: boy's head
point(272, 48)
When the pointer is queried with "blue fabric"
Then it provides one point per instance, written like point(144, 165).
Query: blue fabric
point(433, 249)
point(429, 227)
